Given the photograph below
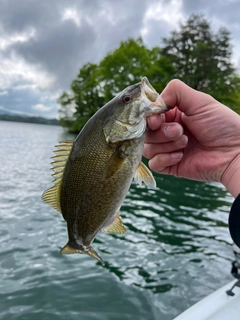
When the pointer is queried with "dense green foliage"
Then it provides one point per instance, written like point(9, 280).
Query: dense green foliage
point(202, 59)
point(97, 84)
point(17, 118)
point(193, 54)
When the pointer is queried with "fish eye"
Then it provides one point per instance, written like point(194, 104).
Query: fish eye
point(126, 98)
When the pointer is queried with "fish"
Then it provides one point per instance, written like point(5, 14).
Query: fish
point(93, 173)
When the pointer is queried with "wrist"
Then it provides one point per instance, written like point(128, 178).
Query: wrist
point(231, 177)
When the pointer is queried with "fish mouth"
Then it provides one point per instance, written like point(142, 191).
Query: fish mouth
point(154, 102)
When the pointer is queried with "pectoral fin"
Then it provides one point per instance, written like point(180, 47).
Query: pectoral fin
point(115, 161)
point(111, 166)
point(116, 226)
point(143, 174)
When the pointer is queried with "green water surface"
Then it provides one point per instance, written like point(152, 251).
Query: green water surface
point(177, 248)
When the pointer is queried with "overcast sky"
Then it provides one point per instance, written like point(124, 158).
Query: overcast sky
point(44, 43)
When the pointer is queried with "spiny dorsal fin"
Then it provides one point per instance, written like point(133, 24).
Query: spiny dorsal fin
point(143, 174)
point(52, 195)
point(116, 226)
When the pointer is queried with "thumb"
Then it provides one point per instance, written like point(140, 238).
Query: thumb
point(189, 101)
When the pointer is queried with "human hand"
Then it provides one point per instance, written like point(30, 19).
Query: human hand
point(198, 139)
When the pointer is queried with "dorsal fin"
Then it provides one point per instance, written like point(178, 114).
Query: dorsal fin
point(52, 195)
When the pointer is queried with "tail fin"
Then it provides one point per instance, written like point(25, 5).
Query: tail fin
point(91, 252)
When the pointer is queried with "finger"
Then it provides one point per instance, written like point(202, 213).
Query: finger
point(167, 132)
point(154, 122)
point(184, 97)
point(151, 150)
point(161, 163)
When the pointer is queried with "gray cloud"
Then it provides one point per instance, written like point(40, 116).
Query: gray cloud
point(226, 11)
point(23, 101)
point(61, 46)
point(44, 43)
point(59, 50)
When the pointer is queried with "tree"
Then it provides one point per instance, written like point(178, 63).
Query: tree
point(129, 63)
point(83, 100)
point(97, 84)
point(194, 54)
point(202, 59)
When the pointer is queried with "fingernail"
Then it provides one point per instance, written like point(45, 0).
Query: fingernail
point(177, 155)
point(182, 141)
point(172, 131)
point(153, 122)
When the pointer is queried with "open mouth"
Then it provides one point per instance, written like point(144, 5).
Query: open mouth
point(149, 91)
point(157, 104)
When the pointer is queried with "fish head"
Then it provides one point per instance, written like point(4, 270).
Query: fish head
point(131, 108)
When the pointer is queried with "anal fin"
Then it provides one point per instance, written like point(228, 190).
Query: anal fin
point(116, 226)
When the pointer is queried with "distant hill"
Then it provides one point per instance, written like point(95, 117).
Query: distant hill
point(39, 120)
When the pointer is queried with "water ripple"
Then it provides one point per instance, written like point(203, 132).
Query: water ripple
point(176, 250)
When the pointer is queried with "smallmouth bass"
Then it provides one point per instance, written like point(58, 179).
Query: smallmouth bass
point(93, 173)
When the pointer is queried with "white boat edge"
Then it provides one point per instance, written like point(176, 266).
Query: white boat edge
point(216, 306)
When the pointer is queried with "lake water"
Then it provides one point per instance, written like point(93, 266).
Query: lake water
point(177, 248)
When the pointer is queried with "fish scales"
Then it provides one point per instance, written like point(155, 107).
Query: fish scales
point(93, 173)
point(99, 197)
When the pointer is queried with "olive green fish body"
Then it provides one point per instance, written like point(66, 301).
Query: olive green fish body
point(96, 180)
point(92, 174)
